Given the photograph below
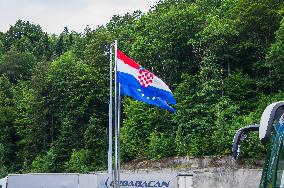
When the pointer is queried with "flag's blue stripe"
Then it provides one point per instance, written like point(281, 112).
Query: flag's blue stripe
point(133, 92)
point(128, 79)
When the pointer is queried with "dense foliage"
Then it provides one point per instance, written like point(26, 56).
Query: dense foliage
point(223, 60)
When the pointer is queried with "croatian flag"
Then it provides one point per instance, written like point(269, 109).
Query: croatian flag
point(141, 84)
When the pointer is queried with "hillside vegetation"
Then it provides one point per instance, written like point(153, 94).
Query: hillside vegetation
point(223, 60)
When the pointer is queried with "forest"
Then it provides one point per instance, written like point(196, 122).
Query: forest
point(222, 59)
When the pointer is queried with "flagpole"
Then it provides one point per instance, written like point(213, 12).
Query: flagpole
point(116, 171)
point(110, 113)
point(118, 132)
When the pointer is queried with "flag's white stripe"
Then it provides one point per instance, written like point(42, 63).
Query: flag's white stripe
point(157, 82)
point(122, 67)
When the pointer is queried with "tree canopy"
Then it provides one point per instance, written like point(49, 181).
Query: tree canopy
point(223, 60)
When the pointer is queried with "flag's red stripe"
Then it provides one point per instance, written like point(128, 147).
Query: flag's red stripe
point(127, 60)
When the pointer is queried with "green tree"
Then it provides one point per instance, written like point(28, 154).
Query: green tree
point(78, 162)
point(65, 42)
point(96, 144)
point(25, 36)
point(17, 66)
point(8, 136)
point(44, 163)
point(241, 89)
point(141, 121)
point(195, 115)
point(226, 111)
point(275, 58)
point(31, 133)
point(3, 170)
point(160, 40)
point(160, 146)
point(59, 49)
point(75, 95)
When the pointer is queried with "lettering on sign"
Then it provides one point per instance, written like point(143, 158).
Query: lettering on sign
point(131, 183)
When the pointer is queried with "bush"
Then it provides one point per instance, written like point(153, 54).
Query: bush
point(45, 163)
point(79, 162)
point(160, 146)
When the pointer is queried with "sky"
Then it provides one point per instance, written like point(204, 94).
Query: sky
point(54, 15)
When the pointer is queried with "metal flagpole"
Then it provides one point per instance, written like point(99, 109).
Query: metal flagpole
point(110, 113)
point(118, 132)
point(116, 172)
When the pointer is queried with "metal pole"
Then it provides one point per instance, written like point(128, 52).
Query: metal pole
point(118, 132)
point(116, 183)
point(110, 113)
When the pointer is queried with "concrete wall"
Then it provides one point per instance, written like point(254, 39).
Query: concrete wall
point(208, 172)
point(167, 178)
point(226, 178)
point(217, 177)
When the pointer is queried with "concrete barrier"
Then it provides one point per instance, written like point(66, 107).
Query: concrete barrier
point(226, 178)
point(165, 178)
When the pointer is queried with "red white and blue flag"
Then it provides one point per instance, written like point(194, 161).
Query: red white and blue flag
point(141, 84)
